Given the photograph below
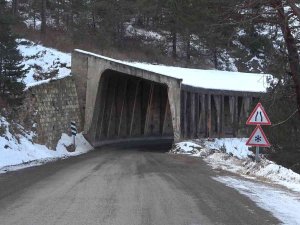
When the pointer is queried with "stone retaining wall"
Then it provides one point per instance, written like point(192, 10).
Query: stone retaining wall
point(52, 106)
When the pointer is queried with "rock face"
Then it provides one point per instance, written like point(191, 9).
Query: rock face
point(52, 106)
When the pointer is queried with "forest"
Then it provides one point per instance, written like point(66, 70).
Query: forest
point(259, 36)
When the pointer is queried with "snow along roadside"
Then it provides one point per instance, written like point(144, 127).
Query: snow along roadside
point(28, 154)
point(283, 205)
point(231, 154)
point(17, 149)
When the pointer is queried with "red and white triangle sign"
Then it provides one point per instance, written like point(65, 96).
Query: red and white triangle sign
point(258, 116)
point(258, 138)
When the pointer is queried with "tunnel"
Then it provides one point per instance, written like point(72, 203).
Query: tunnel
point(130, 108)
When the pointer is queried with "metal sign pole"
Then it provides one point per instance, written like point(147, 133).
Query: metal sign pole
point(257, 154)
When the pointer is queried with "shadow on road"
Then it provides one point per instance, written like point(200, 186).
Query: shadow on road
point(142, 146)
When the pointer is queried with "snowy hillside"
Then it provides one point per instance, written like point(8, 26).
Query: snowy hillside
point(43, 63)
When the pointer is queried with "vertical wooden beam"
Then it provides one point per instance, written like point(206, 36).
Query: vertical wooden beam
point(192, 115)
point(197, 116)
point(113, 99)
point(185, 125)
point(222, 116)
point(231, 108)
point(165, 116)
point(134, 104)
point(105, 104)
point(209, 131)
point(247, 102)
point(122, 107)
point(202, 124)
point(149, 105)
point(217, 100)
point(236, 115)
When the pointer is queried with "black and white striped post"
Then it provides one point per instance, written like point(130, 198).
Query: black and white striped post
point(74, 131)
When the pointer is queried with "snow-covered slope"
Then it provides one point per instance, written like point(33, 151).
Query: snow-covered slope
point(42, 60)
point(17, 149)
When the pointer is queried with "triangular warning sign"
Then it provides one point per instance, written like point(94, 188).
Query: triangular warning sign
point(258, 138)
point(258, 116)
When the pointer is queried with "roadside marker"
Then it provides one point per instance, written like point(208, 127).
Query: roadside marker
point(258, 116)
point(73, 131)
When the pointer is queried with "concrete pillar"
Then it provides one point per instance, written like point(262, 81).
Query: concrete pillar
point(174, 100)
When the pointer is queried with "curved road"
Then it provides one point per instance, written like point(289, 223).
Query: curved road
point(123, 187)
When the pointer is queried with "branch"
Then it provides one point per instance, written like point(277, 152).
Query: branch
point(295, 8)
point(282, 122)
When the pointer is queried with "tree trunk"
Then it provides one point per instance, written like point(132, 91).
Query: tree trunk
point(295, 8)
point(188, 46)
point(43, 17)
point(290, 41)
point(15, 7)
point(215, 58)
point(174, 43)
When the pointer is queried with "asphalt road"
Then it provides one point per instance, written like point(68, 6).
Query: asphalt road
point(124, 187)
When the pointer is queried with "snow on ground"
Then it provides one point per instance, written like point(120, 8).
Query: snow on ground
point(18, 151)
point(232, 154)
point(40, 59)
point(283, 205)
point(262, 182)
point(211, 79)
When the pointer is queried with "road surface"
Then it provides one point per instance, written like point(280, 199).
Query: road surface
point(124, 187)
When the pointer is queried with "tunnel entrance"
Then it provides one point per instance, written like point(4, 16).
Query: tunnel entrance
point(131, 108)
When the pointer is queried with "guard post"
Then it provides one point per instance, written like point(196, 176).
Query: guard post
point(74, 131)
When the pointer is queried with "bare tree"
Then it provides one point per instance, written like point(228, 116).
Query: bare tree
point(290, 41)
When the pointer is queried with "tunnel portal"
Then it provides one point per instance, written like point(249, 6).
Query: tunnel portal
point(131, 108)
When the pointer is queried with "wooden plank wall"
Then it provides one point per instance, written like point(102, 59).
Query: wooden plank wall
point(210, 113)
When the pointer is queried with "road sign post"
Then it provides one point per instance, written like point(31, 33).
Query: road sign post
point(257, 154)
point(258, 138)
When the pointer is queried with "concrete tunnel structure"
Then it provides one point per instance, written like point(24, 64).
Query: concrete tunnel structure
point(122, 101)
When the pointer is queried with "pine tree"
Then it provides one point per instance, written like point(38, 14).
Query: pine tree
point(11, 69)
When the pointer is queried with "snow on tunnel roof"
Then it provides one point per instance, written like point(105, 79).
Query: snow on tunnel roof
point(209, 79)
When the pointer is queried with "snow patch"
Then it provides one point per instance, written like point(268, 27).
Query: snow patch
point(232, 154)
point(39, 59)
point(283, 205)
